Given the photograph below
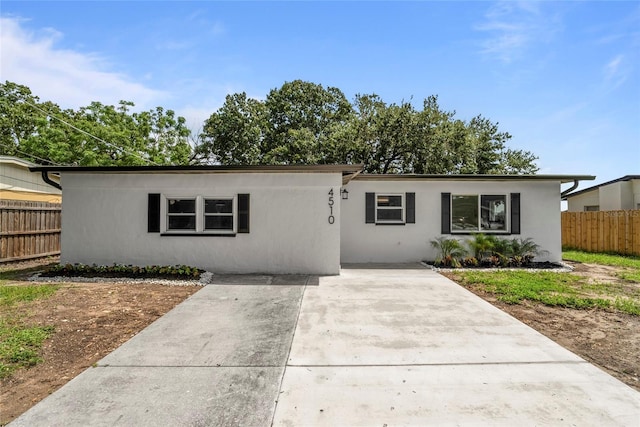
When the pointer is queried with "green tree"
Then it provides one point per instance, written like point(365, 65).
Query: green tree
point(95, 135)
point(302, 118)
point(303, 122)
point(234, 135)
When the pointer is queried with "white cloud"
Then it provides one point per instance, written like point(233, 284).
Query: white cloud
point(512, 27)
point(616, 72)
point(66, 77)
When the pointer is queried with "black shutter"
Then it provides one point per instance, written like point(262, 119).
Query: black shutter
point(445, 220)
point(153, 213)
point(243, 213)
point(411, 208)
point(515, 213)
point(370, 208)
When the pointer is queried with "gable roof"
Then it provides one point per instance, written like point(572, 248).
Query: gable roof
point(595, 187)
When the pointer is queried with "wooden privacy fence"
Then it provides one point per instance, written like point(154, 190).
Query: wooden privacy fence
point(602, 231)
point(29, 229)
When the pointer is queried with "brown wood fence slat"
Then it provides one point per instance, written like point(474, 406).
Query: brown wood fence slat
point(602, 231)
point(29, 229)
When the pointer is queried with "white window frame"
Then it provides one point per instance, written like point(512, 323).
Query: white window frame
point(167, 215)
point(200, 214)
point(479, 229)
point(233, 215)
point(402, 208)
point(591, 208)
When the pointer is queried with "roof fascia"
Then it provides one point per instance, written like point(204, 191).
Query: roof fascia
point(471, 177)
point(344, 169)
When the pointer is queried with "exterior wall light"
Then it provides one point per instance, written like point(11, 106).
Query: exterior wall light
point(344, 194)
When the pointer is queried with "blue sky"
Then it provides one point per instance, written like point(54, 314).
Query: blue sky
point(562, 77)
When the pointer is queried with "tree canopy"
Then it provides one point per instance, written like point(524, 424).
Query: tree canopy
point(297, 123)
point(303, 122)
point(95, 135)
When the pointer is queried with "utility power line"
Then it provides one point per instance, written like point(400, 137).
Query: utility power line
point(92, 136)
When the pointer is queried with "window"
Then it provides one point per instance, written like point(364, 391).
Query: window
point(389, 208)
point(181, 214)
point(218, 214)
point(486, 213)
point(592, 208)
point(198, 215)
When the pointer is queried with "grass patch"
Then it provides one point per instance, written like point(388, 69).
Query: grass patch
point(627, 305)
point(20, 346)
point(10, 295)
point(20, 343)
point(629, 275)
point(553, 289)
point(602, 259)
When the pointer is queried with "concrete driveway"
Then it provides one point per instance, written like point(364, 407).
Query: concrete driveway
point(393, 345)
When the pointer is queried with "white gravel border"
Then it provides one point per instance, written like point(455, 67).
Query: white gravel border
point(205, 279)
point(565, 268)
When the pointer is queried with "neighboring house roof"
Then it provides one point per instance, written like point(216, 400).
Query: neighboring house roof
point(16, 161)
point(18, 183)
point(595, 187)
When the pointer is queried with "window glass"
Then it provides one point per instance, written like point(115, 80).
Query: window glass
point(181, 214)
point(389, 208)
point(389, 214)
point(218, 222)
point(182, 222)
point(218, 206)
point(464, 213)
point(492, 212)
point(182, 206)
point(218, 214)
point(394, 201)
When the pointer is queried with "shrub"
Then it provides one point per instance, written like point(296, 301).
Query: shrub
point(449, 251)
point(481, 245)
point(470, 261)
point(120, 270)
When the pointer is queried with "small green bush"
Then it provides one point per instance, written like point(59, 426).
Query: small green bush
point(119, 270)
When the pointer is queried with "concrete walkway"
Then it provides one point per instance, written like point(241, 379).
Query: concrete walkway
point(374, 346)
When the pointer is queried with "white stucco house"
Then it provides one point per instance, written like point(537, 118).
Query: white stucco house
point(292, 219)
point(619, 194)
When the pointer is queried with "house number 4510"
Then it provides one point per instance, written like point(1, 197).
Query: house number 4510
point(331, 218)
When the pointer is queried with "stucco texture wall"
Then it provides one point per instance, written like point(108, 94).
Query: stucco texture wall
point(361, 242)
point(104, 221)
point(578, 203)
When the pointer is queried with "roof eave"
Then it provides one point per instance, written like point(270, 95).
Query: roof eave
point(470, 177)
point(341, 168)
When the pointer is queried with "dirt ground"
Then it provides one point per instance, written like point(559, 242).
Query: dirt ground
point(93, 319)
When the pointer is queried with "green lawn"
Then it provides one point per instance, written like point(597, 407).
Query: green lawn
point(563, 289)
point(20, 343)
point(602, 259)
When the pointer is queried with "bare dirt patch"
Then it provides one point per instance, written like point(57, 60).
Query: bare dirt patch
point(90, 320)
point(608, 339)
